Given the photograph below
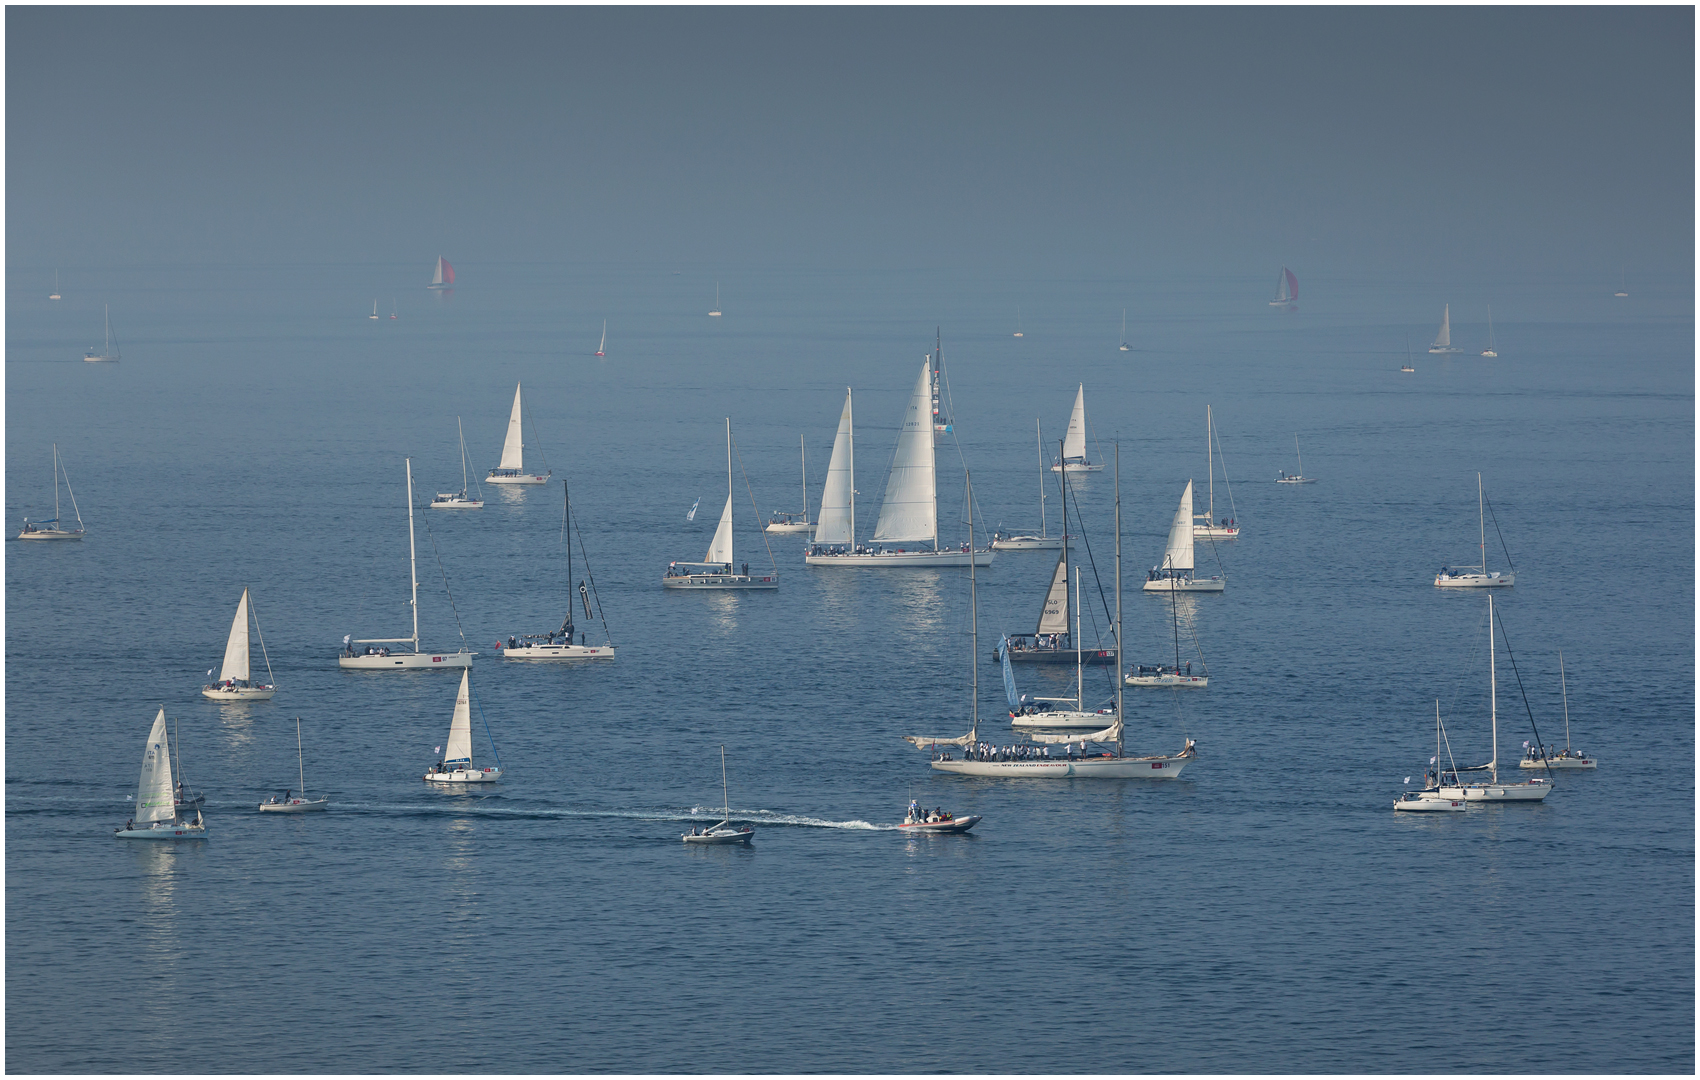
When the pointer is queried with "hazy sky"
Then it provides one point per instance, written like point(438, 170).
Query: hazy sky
point(1023, 140)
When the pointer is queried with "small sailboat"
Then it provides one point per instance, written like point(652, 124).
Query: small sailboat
point(456, 766)
point(940, 820)
point(1622, 283)
point(716, 311)
point(603, 344)
point(1175, 572)
point(156, 816)
point(51, 530)
point(1074, 441)
point(1540, 757)
point(374, 314)
point(1406, 367)
point(1286, 290)
point(1442, 342)
point(786, 522)
point(512, 468)
point(1476, 577)
point(54, 295)
point(444, 277)
point(1452, 786)
point(459, 500)
point(1124, 330)
point(1164, 675)
point(725, 832)
point(1206, 524)
point(558, 644)
point(1028, 713)
point(289, 802)
point(1298, 477)
point(233, 679)
point(1044, 541)
point(1018, 320)
point(377, 655)
point(1429, 799)
point(1489, 350)
point(109, 352)
point(716, 570)
point(392, 307)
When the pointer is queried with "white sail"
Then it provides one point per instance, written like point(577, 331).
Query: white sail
point(1053, 616)
point(1444, 338)
point(837, 502)
point(513, 450)
point(924, 741)
point(459, 746)
point(437, 277)
point(1179, 553)
point(720, 551)
point(236, 650)
point(155, 800)
point(910, 510)
point(1074, 443)
point(1281, 293)
point(1106, 735)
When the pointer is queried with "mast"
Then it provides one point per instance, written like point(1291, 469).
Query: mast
point(729, 561)
point(1493, 695)
point(567, 527)
point(460, 428)
point(412, 557)
point(1120, 681)
point(301, 769)
point(1062, 481)
point(1481, 521)
point(804, 451)
point(55, 485)
point(1079, 664)
point(1210, 462)
point(974, 618)
point(850, 407)
point(1566, 693)
point(1301, 455)
point(724, 796)
point(1039, 436)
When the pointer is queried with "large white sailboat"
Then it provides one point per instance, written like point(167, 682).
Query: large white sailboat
point(512, 469)
point(1475, 577)
point(1207, 525)
point(1550, 757)
point(109, 352)
point(54, 295)
point(1176, 572)
point(376, 654)
point(558, 644)
point(1442, 342)
point(716, 311)
point(716, 570)
point(1056, 636)
point(785, 522)
point(52, 530)
point(456, 766)
point(1451, 783)
point(233, 682)
point(908, 530)
point(1286, 290)
point(156, 816)
point(462, 499)
point(1074, 441)
point(289, 802)
point(444, 277)
point(1025, 542)
point(1049, 713)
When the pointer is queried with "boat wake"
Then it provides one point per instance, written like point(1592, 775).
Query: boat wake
point(483, 805)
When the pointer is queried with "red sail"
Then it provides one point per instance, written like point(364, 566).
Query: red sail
point(449, 274)
point(1292, 285)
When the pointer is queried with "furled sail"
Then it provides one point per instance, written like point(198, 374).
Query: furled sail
point(1053, 615)
point(1179, 553)
point(720, 550)
point(1074, 443)
point(1109, 734)
point(513, 449)
point(838, 500)
point(927, 742)
point(458, 750)
point(1009, 691)
point(154, 797)
point(236, 650)
point(1443, 339)
point(910, 510)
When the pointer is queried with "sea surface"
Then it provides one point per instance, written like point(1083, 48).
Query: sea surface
point(1266, 911)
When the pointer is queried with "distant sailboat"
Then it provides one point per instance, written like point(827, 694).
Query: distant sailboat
point(50, 530)
point(1406, 367)
point(1537, 757)
point(512, 468)
point(1298, 477)
point(725, 832)
point(1622, 283)
point(1175, 572)
point(600, 345)
point(1054, 640)
point(1442, 342)
point(716, 571)
point(1044, 541)
point(289, 802)
point(1489, 350)
point(456, 766)
point(459, 500)
point(1476, 577)
point(786, 522)
point(1018, 320)
point(54, 295)
point(1074, 440)
point(1206, 524)
point(156, 815)
point(1451, 785)
point(716, 312)
point(444, 278)
point(1124, 330)
point(233, 682)
point(558, 644)
point(392, 308)
point(1046, 713)
point(108, 353)
point(374, 314)
point(1286, 289)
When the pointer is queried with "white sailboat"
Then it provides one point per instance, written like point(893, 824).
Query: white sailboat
point(786, 522)
point(716, 312)
point(603, 344)
point(908, 516)
point(377, 654)
point(374, 314)
point(1034, 758)
point(456, 767)
point(54, 295)
point(1044, 541)
point(1229, 527)
point(459, 500)
point(1175, 572)
point(716, 570)
point(1442, 342)
point(109, 352)
point(1163, 674)
point(156, 816)
point(558, 644)
point(1452, 786)
point(1298, 477)
point(1286, 290)
point(1074, 441)
point(1429, 800)
point(1018, 321)
point(1539, 757)
point(512, 469)
point(1124, 330)
point(233, 679)
point(392, 307)
point(1489, 351)
point(1050, 713)
point(1055, 640)
point(51, 530)
point(289, 802)
point(1622, 283)
point(725, 832)
point(1475, 577)
point(1406, 367)
point(444, 277)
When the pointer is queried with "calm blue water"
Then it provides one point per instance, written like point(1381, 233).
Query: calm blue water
point(1268, 911)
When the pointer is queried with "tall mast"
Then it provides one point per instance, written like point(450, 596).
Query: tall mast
point(567, 527)
point(1566, 693)
point(1039, 437)
point(1493, 695)
point(1210, 462)
point(1062, 482)
point(1079, 664)
point(412, 558)
point(804, 451)
point(55, 485)
point(1120, 681)
point(974, 617)
point(932, 452)
point(462, 429)
point(724, 797)
point(1300, 453)
point(850, 405)
point(1481, 521)
point(301, 770)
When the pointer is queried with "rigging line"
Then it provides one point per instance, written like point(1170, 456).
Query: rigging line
point(1192, 628)
point(486, 720)
point(1507, 639)
point(1069, 493)
point(1231, 507)
point(950, 407)
point(255, 612)
point(756, 509)
point(589, 574)
point(540, 452)
point(1492, 517)
point(429, 535)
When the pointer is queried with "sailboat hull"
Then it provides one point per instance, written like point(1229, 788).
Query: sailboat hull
point(1428, 802)
point(463, 776)
point(456, 502)
point(51, 534)
point(559, 652)
point(1532, 791)
point(721, 836)
point(1028, 543)
point(406, 661)
point(509, 476)
point(178, 830)
point(719, 581)
point(1474, 581)
point(1077, 466)
point(790, 527)
point(1111, 768)
point(1219, 532)
point(295, 806)
point(903, 558)
point(1559, 763)
point(1063, 720)
point(238, 693)
point(1164, 585)
point(1195, 682)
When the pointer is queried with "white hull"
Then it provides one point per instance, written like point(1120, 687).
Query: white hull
point(165, 831)
point(790, 527)
point(719, 581)
point(1028, 543)
point(1533, 791)
point(903, 558)
point(1164, 585)
point(559, 652)
point(954, 825)
point(1560, 763)
point(1154, 767)
point(238, 693)
point(1295, 480)
point(1198, 682)
point(51, 534)
point(1063, 720)
point(522, 478)
point(295, 806)
point(719, 835)
point(1489, 352)
point(1449, 349)
point(1428, 802)
point(100, 359)
point(456, 502)
point(463, 776)
point(1220, 532)
point(407, 661)
point(1474, 581)
point(1077, 466)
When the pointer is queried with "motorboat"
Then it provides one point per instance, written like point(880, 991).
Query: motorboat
point(939, 820)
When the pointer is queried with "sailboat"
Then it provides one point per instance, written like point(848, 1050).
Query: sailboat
point(54, 295)
point(603, 344)
point(1539, 757)
point(1298, 477)
point(1286, 290)
point(374, 314)
point(1442, 342)
point(1477, 577)
point(1018, 320)
point(156, 816)
point(289, 802)
point(725, 832)
point(1622, 283)
point(109, 352)
point(558, 644)
point(459, 500)
point(941, 418)
point(50, 530)
point(377, 655)
point(716, 312)
point(233, 683)
point(1043, 713)
point(392, 307)
point(1175, 572)
point(1124, 330)
point(910, 513)
point(1229, 527)
point(456, 766)
point(1051, 641)
point(512, 468)
point(444, 278)
point(1044, 541)
point(1429, 799)
point(786, 522)
point(1489, 350)
point(1034, 759)
point(1162, 674)
point(1407, 368)
point(1450, 784)
point(1074, 441)
point(716, 570)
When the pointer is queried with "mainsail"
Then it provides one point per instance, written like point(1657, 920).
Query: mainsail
point(910, 510)
point(236, 650)
point(154, 797)
point(444, 278)
point(1009, 691)
point(1053, 615)
point(1074, 442)
point(513, 449)
point(720, 550)
point(458, 750)
point(1179, 553)
point(1443, 339)
point(838, 499)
